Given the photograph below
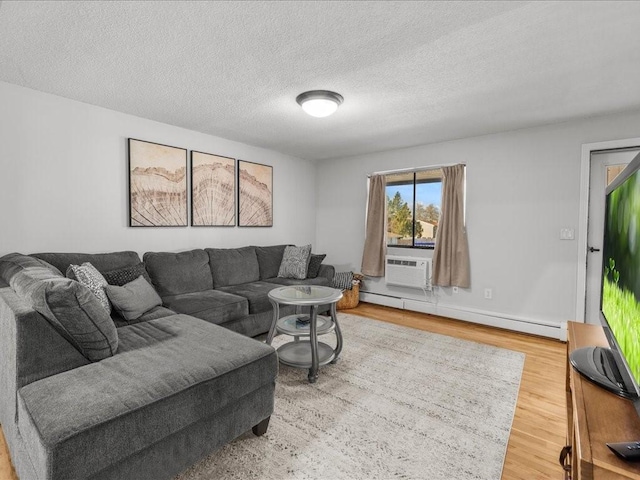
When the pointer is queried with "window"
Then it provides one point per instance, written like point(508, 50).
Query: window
point(413, 208)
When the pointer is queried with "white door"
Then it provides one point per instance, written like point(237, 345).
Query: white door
point(605, 166)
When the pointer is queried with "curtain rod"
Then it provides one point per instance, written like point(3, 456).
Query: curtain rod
point(418, 169)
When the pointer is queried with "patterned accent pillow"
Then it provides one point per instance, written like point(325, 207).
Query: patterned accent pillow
point(314, 265)
point(295, 262)
point(124, 275)
point(343, 280)
point(90, 277)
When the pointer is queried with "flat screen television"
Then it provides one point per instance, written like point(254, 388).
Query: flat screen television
point(617, 368)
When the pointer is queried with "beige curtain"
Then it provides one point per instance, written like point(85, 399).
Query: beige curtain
point(451, 254)
point(375, 245)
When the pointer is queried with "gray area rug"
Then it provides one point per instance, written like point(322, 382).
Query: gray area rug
point(400, 403)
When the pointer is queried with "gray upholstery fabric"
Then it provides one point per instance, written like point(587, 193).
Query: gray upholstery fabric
point(104, 262)
point(233, 266)
point(327, 271)
point(213, 305)
point(255, 292)
point(177, 273)
point(157, 312)
point(256, 323)
point(133, 299)
point(295, 262)
point(13, 263)
point(175, 453)
point(121, 406)
point(307, 281)
point(71, 308)
point(31, 348)
point(269, 260)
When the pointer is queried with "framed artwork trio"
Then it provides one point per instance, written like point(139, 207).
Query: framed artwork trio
point(224, 192)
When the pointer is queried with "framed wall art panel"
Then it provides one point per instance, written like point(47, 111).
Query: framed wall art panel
point(213, 190)
point(255, 194)
point(157, 185)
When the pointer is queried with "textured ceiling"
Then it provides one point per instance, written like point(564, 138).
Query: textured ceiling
point(410, 72)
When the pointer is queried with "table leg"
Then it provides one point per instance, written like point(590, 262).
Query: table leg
point(334, 317)
point(313, 339)
point(276, 314)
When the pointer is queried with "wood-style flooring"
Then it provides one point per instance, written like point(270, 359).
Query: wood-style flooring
point(538, 431)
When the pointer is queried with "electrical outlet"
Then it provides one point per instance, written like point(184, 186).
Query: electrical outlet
point(488, 293)
point(567, 234)
point(454, 289)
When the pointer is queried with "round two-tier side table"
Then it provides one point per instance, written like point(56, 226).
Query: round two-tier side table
point(301, 352)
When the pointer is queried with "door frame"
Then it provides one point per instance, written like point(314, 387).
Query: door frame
point(583, 220)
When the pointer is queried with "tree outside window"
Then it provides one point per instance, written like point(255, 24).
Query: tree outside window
point(413, 208)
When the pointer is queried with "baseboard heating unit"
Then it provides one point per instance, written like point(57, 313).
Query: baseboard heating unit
point(408, 272)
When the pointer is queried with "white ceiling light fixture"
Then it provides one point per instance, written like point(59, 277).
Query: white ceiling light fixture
point(319, 103)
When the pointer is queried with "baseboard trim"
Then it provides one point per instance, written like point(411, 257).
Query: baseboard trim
point(493, 319)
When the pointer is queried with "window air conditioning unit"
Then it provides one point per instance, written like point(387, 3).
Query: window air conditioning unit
point(408, 272)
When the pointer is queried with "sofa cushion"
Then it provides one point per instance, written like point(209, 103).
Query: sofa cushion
point(315, 261)
point(13, 263)
point(213, 305)
point(295, 262)
point(124, 275)
point(269, 260)
point(233, 266)
point(257, 293)
point(129, 402)
point(307, 281)
point(156, 312)
point(104, 262)
point(71, 308)
point(133, 299)
point(91, 278)
point(177, 273)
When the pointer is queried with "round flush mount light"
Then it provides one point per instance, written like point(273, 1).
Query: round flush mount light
point(319, 103)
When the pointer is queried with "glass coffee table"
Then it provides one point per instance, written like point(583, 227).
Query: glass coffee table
point(308, 353)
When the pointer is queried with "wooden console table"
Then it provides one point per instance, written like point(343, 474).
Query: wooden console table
point(595, 417)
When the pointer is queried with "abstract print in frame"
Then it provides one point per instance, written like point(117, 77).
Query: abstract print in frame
point(157, 185)
point(213, 190)
point(255, 194)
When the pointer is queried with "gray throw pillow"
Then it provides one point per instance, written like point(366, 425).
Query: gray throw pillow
point(71, 308)
point(133, 299)
point(314, 265)
point(295, 262)
point(91, 278)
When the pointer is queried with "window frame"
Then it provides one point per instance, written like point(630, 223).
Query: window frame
point(413, 207)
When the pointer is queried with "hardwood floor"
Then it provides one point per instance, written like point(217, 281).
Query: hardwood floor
point(538, 431)
point(6, 469)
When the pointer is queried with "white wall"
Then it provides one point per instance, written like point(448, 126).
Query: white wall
point(63, 181)
point(522, 188)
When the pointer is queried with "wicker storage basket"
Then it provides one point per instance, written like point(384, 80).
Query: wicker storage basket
point(350, 298)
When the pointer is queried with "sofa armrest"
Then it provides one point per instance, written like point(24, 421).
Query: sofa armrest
point(328, 272)
point(32, 347)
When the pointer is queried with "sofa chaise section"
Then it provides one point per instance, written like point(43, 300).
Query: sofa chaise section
point(168, 376)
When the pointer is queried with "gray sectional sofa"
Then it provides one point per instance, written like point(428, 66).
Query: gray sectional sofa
point(170, 386)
